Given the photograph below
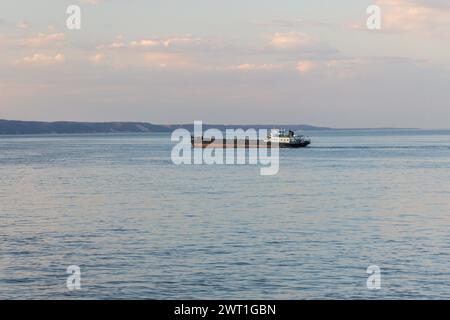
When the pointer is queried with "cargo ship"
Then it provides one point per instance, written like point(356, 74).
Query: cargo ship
point(281, 137)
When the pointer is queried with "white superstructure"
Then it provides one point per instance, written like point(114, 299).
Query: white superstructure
point(283, 136)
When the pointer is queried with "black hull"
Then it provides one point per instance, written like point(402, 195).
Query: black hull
point(303, 144)
point(201, 143)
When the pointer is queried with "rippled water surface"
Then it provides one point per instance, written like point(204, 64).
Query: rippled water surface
point(140, 227)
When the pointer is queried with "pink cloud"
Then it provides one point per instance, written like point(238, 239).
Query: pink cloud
point(42, 59)
point(255, 67)
point(97, 58)
point(291, 40)
point(152, 43)
point(411, 15)
point(144, 43)
point(43, 39)
point(306, 66)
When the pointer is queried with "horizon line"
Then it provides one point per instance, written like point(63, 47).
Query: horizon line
point(228, 124)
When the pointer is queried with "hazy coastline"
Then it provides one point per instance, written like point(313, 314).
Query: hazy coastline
point(18, 127)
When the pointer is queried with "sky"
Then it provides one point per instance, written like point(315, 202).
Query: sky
point(227, 61)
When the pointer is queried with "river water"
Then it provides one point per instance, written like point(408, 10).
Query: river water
point(140, 227)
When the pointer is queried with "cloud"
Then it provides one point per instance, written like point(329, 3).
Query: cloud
point(171, 42)
point(176, 41)
point(291, 40)
point(305, 66)
point(42, 59)
point(354, 67)
point(296, 46)
point(343, 68)
point(144, 43)
point(256, 67)
point(171, 52)
point(414, 15)
point(113, 45)
point(42, 39)
point(188, 51)
point(97, 58)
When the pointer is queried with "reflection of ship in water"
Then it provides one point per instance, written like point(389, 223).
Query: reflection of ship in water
point(281, 137)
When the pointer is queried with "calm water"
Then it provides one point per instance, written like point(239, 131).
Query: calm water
point(140, 227)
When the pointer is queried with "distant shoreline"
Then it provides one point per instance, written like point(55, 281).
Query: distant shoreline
point(17, 127)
